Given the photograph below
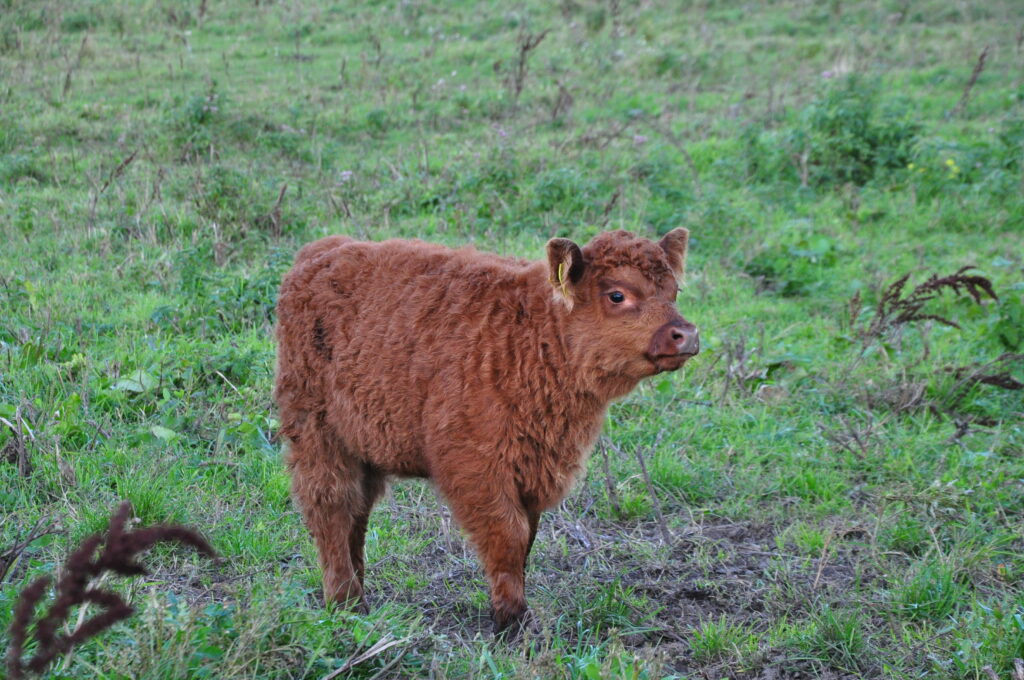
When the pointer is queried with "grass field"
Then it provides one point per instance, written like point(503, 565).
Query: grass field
point(840, 476)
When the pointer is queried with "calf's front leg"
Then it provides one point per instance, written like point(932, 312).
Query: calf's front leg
point(501, 531)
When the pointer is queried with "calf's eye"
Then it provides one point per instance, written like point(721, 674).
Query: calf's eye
point(616, 297)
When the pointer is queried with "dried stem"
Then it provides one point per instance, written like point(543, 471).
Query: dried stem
point(526, 43)
point(275, 213)
point(17, 443)
point(978, 68)
point(73, 66)
point(120, 548)
point(114, 174)
point(822, 560)
point(680, 146)
point(9, 556)
point(662, 525)
point(894, 309)
point(613, 496)
point(969, 376)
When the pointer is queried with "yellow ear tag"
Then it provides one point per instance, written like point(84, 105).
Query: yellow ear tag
point(562, 270)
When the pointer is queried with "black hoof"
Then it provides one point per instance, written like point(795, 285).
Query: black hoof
point(510, 626)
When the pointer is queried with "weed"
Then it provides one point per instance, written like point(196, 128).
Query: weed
point(837, 638)
point(616, 606)
point(1009, 327)
point(118, 556)
point(194, 123)
point(20, 167)
point(849, 138)
point(895, 309)
point(515, 79)
point(717, 639)
point(931, 591)
point(905, 532)
point(797, 268)
point(844, 136)
point(988, 636)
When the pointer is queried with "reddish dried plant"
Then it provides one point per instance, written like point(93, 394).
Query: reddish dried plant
point(120, 548)
point(895, 309)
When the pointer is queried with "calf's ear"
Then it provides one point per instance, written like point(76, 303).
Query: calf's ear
point(674, 244)
point(565, 268)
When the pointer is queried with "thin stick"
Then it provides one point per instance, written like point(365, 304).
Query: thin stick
point(516, 80)
point(662, 525)
point(119, 170)
point(114, 174)
point(10, 556)
point(381, 645)
point(823, 560)
point(674, 140)
point(73, 67)
point(24, 464)
point(978, 68)
point(275, 213)
point(613, 496)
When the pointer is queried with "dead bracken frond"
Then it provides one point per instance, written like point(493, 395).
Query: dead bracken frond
point(894, 309)
point(120, 548)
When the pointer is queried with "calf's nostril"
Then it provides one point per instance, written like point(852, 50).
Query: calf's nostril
point(687, 343)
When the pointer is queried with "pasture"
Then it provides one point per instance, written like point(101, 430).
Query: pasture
point(833, 488)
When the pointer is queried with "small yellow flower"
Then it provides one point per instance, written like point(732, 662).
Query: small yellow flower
point(910, 167)
point(949, 162)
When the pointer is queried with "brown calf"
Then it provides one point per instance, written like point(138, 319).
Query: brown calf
point(488, 375)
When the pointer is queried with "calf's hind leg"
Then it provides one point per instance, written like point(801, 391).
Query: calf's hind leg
point(335, 493)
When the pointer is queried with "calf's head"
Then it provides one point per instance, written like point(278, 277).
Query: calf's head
point(620, 291)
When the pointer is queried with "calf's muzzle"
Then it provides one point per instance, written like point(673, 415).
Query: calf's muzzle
point(673, 344)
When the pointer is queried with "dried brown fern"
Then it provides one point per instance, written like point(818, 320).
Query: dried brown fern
point(120, 548)
point(896, 309)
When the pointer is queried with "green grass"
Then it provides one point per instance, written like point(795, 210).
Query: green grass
point(715, 639)
point(840, 501)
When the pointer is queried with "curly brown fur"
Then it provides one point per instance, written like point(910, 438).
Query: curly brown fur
point(488, 375)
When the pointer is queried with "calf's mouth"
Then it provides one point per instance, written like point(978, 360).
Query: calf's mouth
point(669, 362)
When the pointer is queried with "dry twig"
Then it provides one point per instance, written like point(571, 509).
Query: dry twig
point(673, 139)
point(526, 43)
point(19, 454)
point(114, 174)
point(381, 645)
point(978, 68)
point(662, 525)
point(985, 374)
point(822, 560)
point(9, 556)
point(73, 66)
point(613, 496)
